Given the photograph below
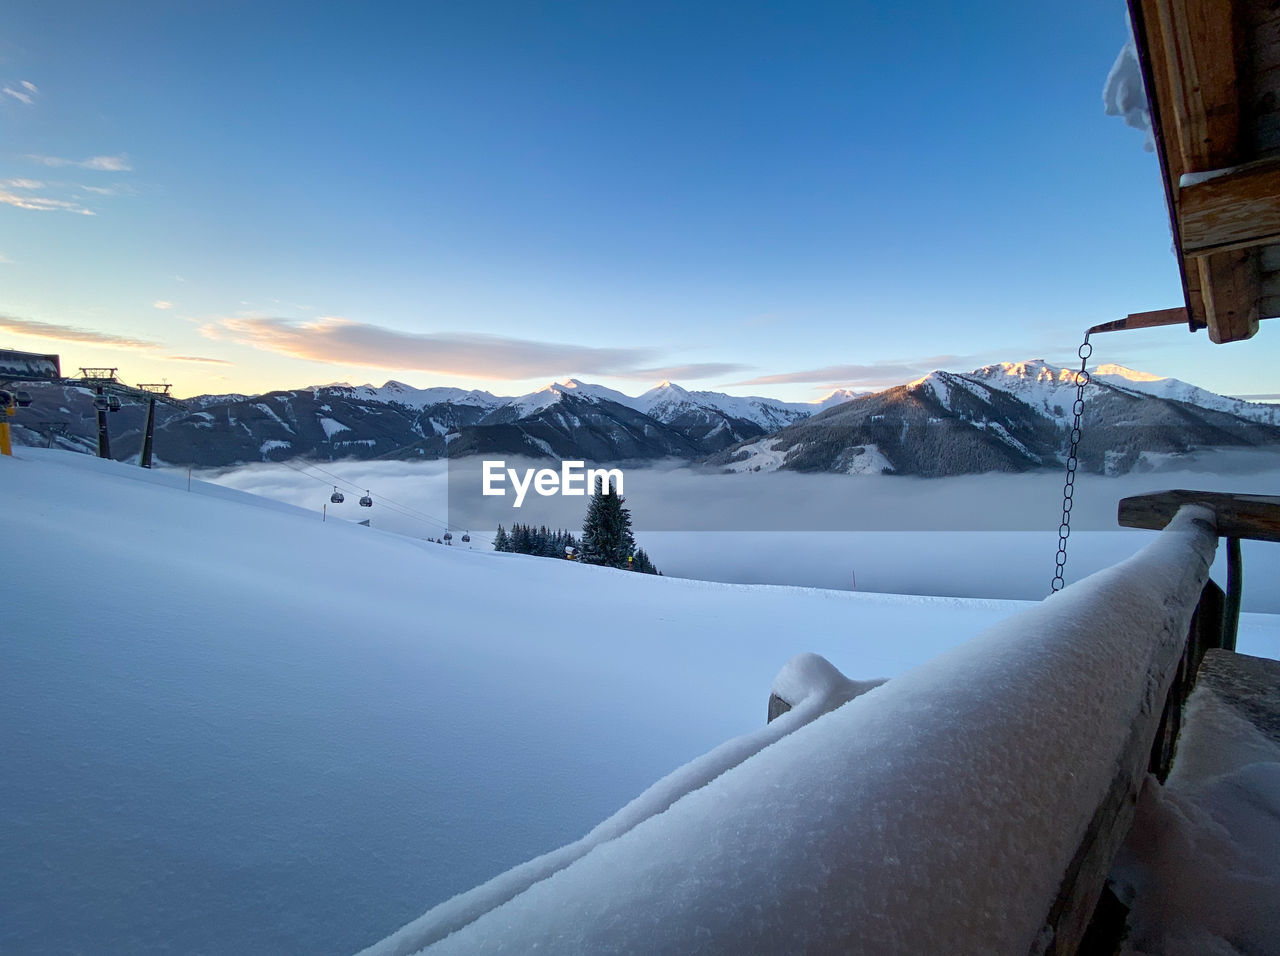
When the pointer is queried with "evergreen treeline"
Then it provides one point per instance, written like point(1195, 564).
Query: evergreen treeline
point(606, 537)
point(542, 541)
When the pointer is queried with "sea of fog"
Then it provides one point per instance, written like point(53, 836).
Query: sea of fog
point(991, 535)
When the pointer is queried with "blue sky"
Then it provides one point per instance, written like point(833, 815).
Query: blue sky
point(774, 198)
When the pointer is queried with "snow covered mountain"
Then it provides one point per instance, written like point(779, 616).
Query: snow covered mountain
point(570, 419)
point(1013, 416)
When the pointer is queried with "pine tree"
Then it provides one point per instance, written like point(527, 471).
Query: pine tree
point(643, 563)
point(500, 541)
point(606, 532)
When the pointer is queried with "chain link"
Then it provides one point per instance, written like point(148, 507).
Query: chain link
point(1068, 489)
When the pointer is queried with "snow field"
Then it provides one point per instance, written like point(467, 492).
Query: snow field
point(239, 729)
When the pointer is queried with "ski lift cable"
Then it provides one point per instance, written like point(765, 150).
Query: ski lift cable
point(354, 489)
point(393, 506)
point(383, 497)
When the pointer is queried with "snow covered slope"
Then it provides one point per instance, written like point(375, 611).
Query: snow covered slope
point(232, 728)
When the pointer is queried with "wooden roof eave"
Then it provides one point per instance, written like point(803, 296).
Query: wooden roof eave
point(1187, 51)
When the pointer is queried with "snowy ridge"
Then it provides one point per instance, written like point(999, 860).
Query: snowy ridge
point(667, 402)
point(1171, 389)
point(403, 394)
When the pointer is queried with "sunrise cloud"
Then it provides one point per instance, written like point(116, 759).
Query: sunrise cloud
point(71, 333)
point(197, 358)
point(347, 342)
point(162, 304)
point(684, 373)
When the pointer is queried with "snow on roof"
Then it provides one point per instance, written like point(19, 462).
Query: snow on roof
point(1124, 95)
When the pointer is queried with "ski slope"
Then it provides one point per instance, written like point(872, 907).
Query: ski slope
point(231, 727)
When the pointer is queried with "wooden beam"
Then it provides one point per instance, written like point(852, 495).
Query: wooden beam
point(1200, 55)
point(1236, 209)
point(1253, 517)
point(1229, 283)
point(1144, 320)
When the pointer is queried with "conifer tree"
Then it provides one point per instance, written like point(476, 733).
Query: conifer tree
point(500, 540)
point(606, 532)
point(643, 563)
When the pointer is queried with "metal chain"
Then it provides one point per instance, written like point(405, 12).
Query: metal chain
point(1068, 490)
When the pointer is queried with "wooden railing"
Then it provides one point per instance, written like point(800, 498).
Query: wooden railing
point(972, 805)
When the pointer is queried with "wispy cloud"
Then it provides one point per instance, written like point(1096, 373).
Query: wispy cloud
point(865, 376)
point(162, 304)
point(5, 260)
point(26, 92)
point(110, 164)
point(685, 373)
point(43, 203)
point(22, 183)
point(71, 333)
point(341, 341)
point(197, 358)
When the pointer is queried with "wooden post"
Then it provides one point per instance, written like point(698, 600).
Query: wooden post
point(1235, 585)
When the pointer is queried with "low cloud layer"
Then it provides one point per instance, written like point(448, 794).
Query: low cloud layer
point(342, 341)
point(71, 333)
point(976, 536)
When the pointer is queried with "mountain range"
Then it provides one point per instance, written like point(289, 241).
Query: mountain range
point(1005, 417)
point(1013, 416)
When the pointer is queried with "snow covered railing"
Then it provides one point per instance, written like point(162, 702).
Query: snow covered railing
point(971, 805)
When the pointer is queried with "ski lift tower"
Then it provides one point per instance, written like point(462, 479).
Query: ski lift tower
point(98, 379)
point(148, 433)
point(108, 390)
